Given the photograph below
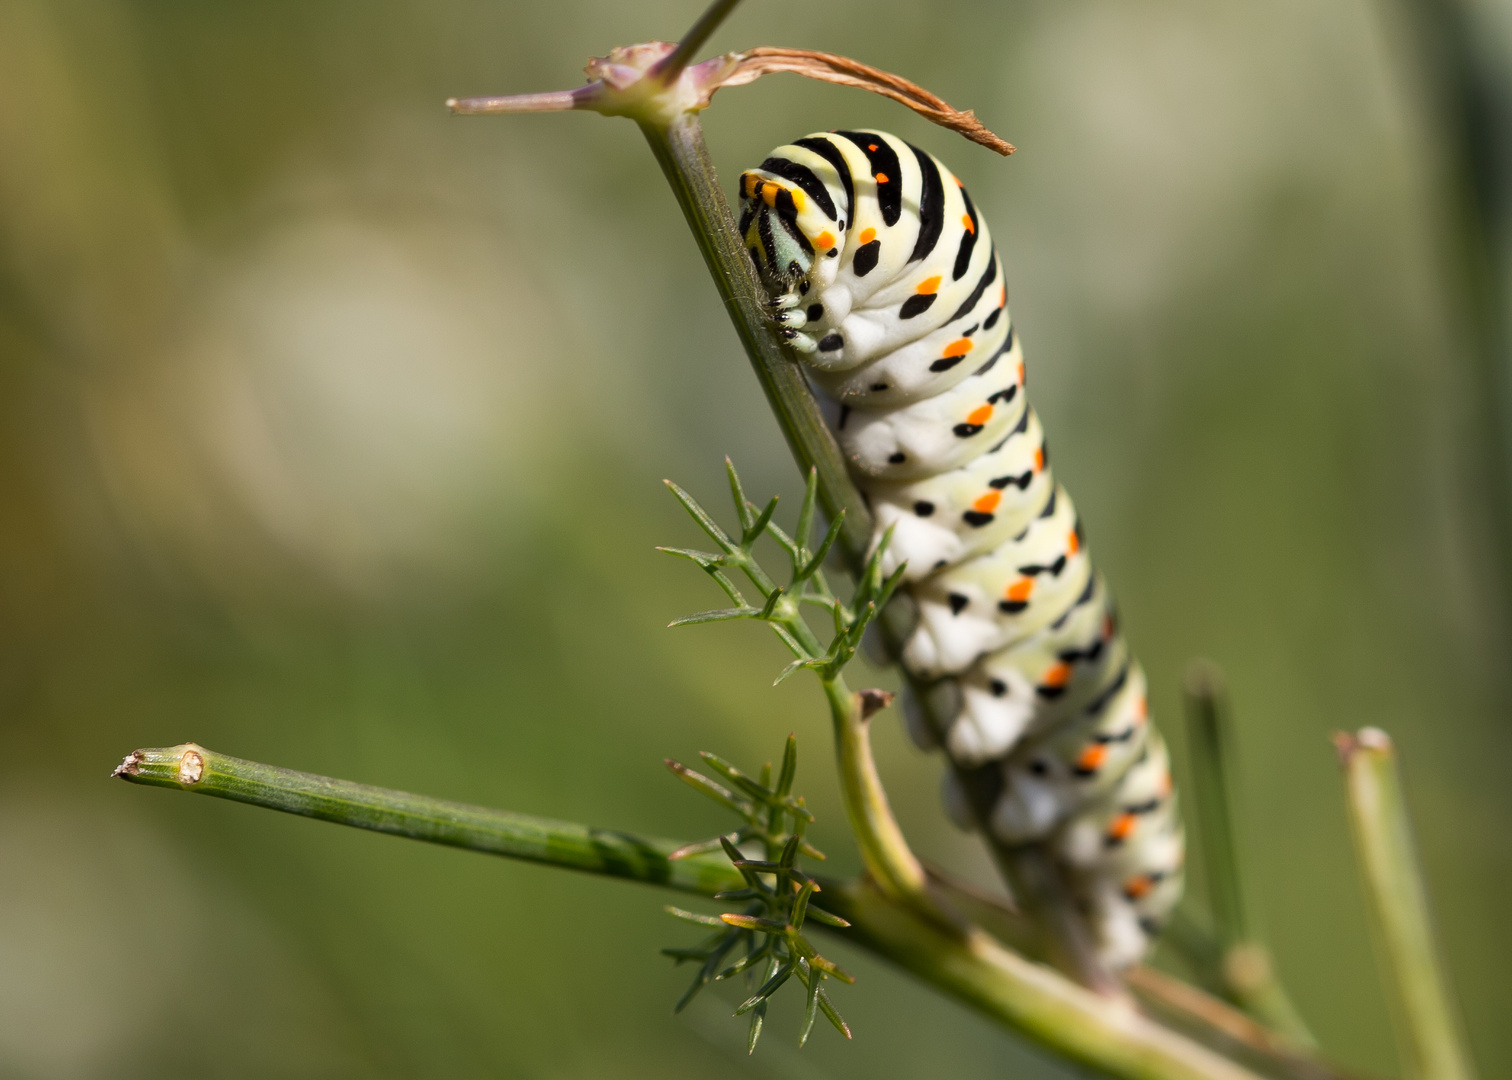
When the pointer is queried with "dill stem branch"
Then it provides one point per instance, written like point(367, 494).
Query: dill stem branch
point(1427, 1023)
point(188, 767)
point(972, 967)
point(885, 851)
point(1241, 962)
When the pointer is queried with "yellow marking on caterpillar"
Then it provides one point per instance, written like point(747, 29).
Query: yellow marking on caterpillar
point(867, 236)
point(966, 223)
point(928, 286)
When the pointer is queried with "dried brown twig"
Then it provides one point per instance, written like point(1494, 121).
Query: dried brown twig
point(843, 71)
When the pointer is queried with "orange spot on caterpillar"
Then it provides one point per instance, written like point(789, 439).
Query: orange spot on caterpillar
point(1142, 709)
point(988, 502)
point(824, 240)
point(1003, 299)
point(1019, 591)
point(1137, 888)
point(769, 194)
point(872, 147)
point(1059, 675)
point(1165, 784)
point(1107, 626)
point(1073, 543)
point(1123, 827)
point(928, 285)
point(959, 347)
point(957, 179)
point(748, 183)
point(967, 223)
point(1021, 373)
point(1091, 759)
point(1039, 460)
point(980, 416)
point(867, 236)
point(882, 178)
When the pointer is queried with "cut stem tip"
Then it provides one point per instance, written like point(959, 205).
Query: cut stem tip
point(1427, 1019)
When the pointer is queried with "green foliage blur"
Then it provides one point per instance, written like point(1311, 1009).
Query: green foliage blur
point(331, 432)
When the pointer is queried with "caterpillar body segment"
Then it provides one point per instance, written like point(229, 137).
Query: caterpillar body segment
point(886, 282)
point(1048, 778)
point(1029, 582)
point(968, 511)
point(933, 434)
point(1039, 682)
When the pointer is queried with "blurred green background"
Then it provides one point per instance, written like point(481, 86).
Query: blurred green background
point(331, 431)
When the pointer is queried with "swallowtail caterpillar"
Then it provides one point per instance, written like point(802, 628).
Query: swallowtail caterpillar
point(886, 281)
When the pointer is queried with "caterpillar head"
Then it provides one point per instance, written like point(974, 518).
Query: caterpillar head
point(787, 237)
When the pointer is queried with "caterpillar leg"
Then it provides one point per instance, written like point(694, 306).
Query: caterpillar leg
point(799, 341)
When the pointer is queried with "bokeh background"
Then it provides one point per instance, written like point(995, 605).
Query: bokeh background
point(331, 432)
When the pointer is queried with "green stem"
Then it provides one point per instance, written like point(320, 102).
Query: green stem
point(1032, 999)
point(1244, 966)
point(884, 849)
point(1432, 1040)
point(670, 68)
point(518, 836)
point(1208, 737)
point(971, 967)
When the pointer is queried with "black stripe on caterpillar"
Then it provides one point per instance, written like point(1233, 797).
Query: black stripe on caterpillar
point(886, 282)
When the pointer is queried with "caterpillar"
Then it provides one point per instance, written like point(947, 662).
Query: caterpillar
point(886, 283)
